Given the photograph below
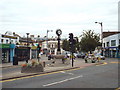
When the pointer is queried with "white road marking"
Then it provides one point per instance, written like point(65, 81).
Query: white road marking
point(71, 73)
point(66, 73)
point(62, 71)
point(62, 81)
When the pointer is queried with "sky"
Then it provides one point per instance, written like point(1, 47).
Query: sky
point(71, 16)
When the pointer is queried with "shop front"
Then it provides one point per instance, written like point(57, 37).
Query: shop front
point(5, 57)
point(118, 53)
point(0, 53)
point(12, 52)
point(22, 53)
point(112, 52)
point(33, 52)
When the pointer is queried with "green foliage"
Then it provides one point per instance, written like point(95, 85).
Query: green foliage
point(89, 41)
point(65, 45)
point(77, 44)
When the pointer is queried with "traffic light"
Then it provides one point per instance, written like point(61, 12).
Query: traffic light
point(74, 41)
point(71, 43)
point(71, 35)
point(70, 38)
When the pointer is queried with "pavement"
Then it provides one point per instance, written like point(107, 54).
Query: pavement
point(57, 66)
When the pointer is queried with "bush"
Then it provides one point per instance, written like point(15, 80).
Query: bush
point(32, 64)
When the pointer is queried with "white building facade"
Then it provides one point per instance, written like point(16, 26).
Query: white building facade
point(51, 46)
point(110, 45)
point(7, 47)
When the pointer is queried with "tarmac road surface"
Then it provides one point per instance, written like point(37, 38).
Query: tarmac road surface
point(100, 76)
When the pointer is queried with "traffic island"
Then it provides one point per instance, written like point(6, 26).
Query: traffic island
point(34, 67)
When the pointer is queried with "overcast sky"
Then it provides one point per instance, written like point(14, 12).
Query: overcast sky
point(71, 16)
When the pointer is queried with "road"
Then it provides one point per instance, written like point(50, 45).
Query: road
point(100, 76)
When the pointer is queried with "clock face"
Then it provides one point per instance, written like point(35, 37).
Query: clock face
point(58, 32)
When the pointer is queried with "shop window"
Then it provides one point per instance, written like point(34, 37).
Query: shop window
point(113, 42)
point(2, 40)
point(107, 44)
point(119, 41)
point(104, 44)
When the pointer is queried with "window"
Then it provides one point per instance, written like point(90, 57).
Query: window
point(113, 42)
point(2, 40)
point(6, 41)
point(11, 41)
point(119, 41)
point(104, 44)
point(107, 44)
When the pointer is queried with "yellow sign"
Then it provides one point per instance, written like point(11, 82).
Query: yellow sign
point(6, 36)
point(33, 47)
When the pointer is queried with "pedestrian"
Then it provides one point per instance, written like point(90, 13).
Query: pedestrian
point(86, 58)
point(39, 57)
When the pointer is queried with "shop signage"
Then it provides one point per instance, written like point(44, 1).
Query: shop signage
point(6, 36)
point(5, 45)
point(33, 47)
point(22, 47)
point(12, 45)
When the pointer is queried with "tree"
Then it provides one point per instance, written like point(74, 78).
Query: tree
point(77, 45)
point(65, 45)
point(89, 41)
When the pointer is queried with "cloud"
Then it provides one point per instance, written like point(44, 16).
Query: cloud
point(68, 15)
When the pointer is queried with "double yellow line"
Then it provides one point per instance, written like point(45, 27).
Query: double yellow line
point(101, 64)
point(114, 62)
point(117, 88)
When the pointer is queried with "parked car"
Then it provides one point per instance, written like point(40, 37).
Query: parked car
point(83, 56)
point(68, 54)
point(78, 55)
point(101, 57)
point(75, 54)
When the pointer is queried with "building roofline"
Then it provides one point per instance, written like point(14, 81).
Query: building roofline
point(109, 33)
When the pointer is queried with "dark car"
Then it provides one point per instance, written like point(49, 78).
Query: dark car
point(80, 56)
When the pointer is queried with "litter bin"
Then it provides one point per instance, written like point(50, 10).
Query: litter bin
point(15, 60)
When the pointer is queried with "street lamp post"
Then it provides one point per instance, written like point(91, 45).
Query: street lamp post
point(101, 31)
point(27, 39)
point(38, 46)
point(47, 40)
point(27, 48)
point(101, 24)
